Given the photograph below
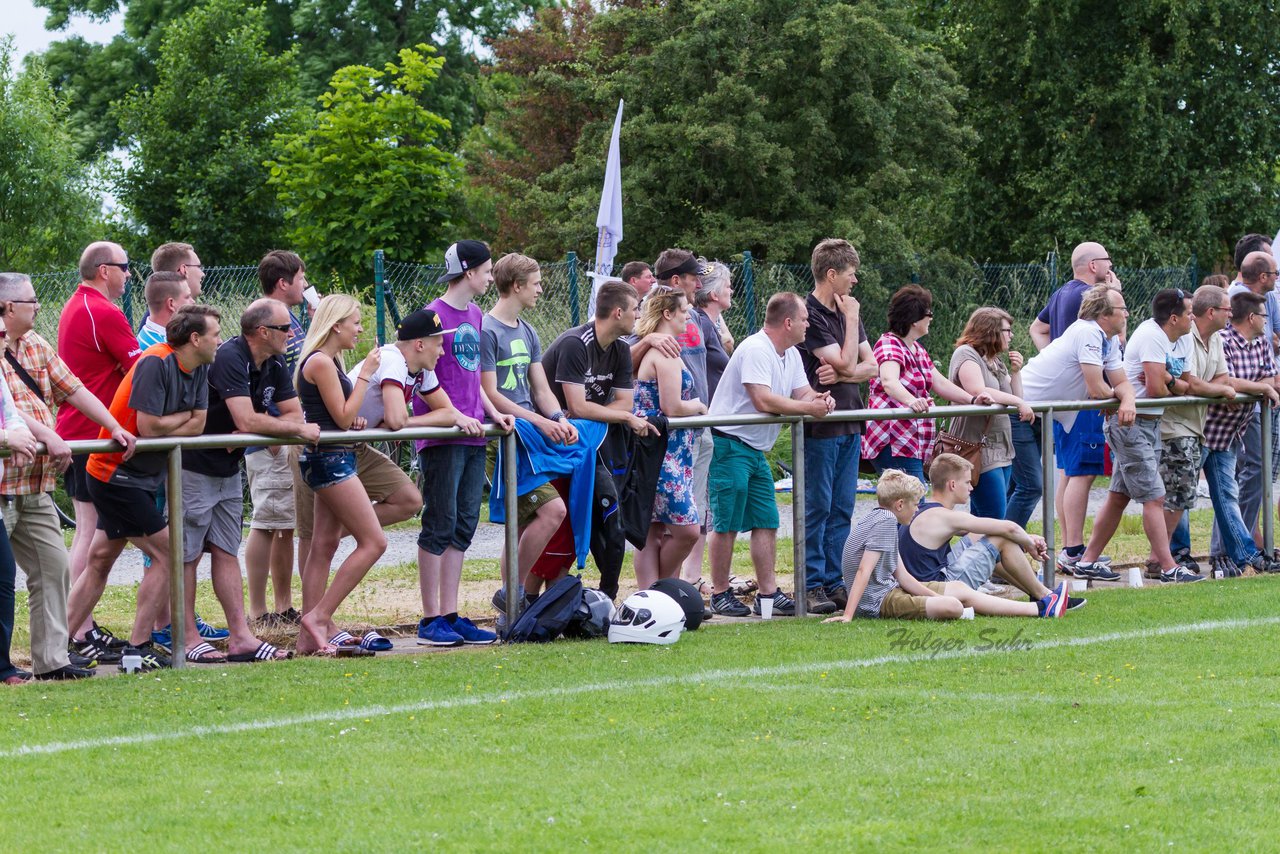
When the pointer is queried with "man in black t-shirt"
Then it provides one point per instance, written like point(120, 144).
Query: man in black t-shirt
point(248, 380)
point(837, 358)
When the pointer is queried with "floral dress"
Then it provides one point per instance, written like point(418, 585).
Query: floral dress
point(673, 502)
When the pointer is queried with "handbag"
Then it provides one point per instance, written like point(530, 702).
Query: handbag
point(953, 443)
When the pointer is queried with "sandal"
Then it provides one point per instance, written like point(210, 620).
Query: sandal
point(343, 638)
point(742, 586)
point(203, 653)
point(704, 588)
point(375, 642)
point(22, 677)
point(264, 652)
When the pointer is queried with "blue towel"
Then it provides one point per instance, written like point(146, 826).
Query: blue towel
point(540, 461)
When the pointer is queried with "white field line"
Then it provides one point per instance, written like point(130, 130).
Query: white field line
point(727, 675)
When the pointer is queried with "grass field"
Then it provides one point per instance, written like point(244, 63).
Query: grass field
point(1144, 721)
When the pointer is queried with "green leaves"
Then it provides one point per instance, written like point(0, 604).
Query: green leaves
point(48, 202)
point(367, 172)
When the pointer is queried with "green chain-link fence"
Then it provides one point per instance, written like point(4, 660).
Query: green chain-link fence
point(958, 288)
point(229, 289)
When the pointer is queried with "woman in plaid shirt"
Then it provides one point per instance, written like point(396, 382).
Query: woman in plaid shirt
point(907, 377)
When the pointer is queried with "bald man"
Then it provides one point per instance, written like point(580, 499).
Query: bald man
point(1080, 452)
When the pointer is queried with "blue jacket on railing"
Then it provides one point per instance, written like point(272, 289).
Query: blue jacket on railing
point(539, 461)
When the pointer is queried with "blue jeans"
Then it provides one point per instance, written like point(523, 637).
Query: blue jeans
point(453, 489)
point(1248, 483)
point(1027, 475)
point(1224, 493)
point(911, 465)
point(988, 498)
point(8, 579)
point(830, 488)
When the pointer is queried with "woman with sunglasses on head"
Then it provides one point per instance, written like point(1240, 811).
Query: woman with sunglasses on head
point(906, 380)
point(663, 385)
point(329, 399)
point(977, 367)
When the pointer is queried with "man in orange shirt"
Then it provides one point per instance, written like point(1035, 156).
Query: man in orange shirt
point(166, 393)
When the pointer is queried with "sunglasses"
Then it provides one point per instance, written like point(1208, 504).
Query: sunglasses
point(123, 265)
point(278, 327)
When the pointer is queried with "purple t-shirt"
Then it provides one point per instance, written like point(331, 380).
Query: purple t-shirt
point(1063, 308)
point(458, 370)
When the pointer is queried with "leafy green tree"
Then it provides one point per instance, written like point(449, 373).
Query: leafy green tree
point(200, 137)
point(368, 173)
point(328, 35)
point(749, 124)
point(49, 205)
point(1150, 126)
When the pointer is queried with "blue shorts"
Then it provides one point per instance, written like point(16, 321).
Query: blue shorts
point(326, 467)
point(1082, 450)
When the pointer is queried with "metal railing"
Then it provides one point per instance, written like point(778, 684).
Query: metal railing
point(175, 447)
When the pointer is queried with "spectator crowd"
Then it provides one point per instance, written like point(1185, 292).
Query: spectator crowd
point(599, 463)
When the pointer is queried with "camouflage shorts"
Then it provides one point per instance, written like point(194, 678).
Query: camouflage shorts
point(1180, 471)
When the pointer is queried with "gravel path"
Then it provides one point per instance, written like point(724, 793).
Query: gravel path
point(402, 545)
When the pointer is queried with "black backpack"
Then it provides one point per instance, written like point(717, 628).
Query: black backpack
point(548, 616)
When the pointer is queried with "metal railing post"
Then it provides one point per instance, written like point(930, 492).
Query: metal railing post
point(749, 291)
point(177, 593)
point(801, 580)
point(379, 287)
point(1268, 518)
point(511, 546)
point(1046, 496)
point(571, 261)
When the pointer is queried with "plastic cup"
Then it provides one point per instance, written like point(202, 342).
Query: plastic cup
point(312, 296)
point(1079, 586)
point(1135, 576)
point(967, 614)
point(766, 607)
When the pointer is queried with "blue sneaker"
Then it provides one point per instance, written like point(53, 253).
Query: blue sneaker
point(209, 632)
point(437, 632)
point(163, 638)
point(471, 633)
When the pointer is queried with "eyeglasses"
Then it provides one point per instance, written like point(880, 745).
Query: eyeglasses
point(25, 301)
point(1181, 293)
point(197, 266)
point(1261, 314)
point(278, 327)
point(123, 265)
point(1106, 258)
point(1272, 273)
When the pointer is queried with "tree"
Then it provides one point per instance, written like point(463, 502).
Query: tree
point(1152, 127)
point(328, 35)
point(367, 172)
point(750, 124)
point(49, 207)
point(200, 137)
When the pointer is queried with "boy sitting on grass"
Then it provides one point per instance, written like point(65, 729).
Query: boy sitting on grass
point(880, 586)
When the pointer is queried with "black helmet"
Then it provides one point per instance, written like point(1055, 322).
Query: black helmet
point(687, 596)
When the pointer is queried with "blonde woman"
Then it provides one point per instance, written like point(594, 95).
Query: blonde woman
point(664, 385)
point(329, 398)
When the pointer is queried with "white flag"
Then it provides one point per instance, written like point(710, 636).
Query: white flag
point(609, 219)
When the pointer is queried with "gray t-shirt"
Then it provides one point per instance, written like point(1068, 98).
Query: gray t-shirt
point(508, 351)
point(878, 532)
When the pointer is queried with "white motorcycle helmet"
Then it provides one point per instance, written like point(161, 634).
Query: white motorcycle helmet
point(648, 616)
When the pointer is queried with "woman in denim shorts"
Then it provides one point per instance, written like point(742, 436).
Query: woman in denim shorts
point(331, 400)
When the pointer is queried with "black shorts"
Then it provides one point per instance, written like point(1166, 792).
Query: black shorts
point(125, 511)
point(76, 480)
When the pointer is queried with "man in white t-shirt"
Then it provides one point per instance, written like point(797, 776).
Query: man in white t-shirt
point(1083, 362)
point(1154, 361)
point(764, 376)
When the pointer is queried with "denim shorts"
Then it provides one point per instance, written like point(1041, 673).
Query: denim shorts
point(327, 467)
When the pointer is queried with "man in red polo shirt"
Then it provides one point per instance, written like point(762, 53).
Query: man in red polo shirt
point(99, 347)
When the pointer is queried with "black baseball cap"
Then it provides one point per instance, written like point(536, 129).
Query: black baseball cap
point(463, 256)
point(422, 323)
point(689, 265)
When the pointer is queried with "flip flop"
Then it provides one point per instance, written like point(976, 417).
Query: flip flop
point(344, 638)
point(203, 653)
point(375, 642)
point(264, 652)
point(354, 652)
point(323, 652)
point(742, 586)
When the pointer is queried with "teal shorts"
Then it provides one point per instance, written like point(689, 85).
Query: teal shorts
point(741, 488)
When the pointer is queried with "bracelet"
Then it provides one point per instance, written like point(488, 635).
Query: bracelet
point(557, 415)
point(973, 399)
